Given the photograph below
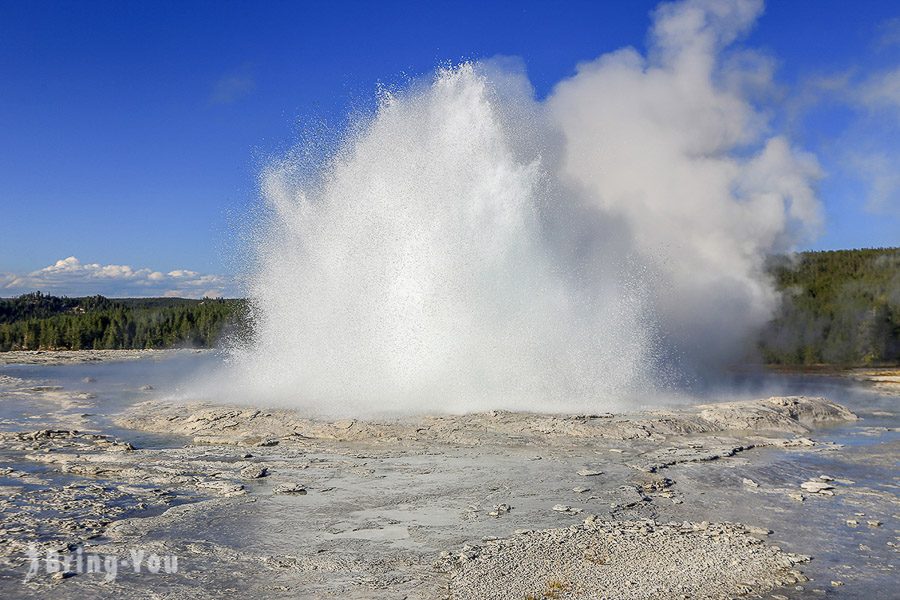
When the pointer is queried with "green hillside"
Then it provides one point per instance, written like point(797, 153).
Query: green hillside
point(840, 308)
point(37, 321)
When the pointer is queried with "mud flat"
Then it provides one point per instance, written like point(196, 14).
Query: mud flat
point(720, 500)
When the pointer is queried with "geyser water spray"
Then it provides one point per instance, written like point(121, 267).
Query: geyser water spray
point(471, 247)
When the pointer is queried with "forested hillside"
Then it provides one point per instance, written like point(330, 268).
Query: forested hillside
point(37, 321)
point(840, 308)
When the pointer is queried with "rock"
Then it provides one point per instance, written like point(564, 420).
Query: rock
point(468, 553)
point(88, 380)
point(62, 575)
point(563, 508)
point(589, 472)
point(225, 488)
point(116, 446)
point(146, 388)
point(873, 523)
point(852, 522)
point(797, 496)
point(254, 472)
point(265, 443)
point(826, 478)
point(837, 583)
point(800, 441)
point(500, 509)
point(580, 490)
point(785, 413)
point(290, 488)
point(750, 483)
point(816, 486)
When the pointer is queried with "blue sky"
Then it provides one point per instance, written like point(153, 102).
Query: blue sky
point(131, 134)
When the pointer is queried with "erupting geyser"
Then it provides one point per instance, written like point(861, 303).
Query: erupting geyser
point(470, 247)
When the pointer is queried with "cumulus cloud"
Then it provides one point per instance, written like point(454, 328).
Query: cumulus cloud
point(70, 276)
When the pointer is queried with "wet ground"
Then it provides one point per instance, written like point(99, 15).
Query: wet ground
point(91, 458)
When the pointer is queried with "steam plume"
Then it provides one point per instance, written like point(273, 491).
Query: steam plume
point(469, 247)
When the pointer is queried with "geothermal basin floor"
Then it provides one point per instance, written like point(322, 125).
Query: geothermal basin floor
point(782, 497)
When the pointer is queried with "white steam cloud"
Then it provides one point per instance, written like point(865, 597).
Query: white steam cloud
point(469, 247)
point(670, 144)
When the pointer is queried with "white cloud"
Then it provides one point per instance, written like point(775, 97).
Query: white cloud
point(882, 91)
point(882, 178)
point(890, 33)
point(181, 273)
point(233, 86)
point(866, 146)
point(874, 153)
point(69, 276)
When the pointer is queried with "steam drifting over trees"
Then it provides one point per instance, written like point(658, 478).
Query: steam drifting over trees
point(840, 307)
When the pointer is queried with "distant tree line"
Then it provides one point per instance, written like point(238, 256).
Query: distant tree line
point(839, 308)
point(40, 322)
